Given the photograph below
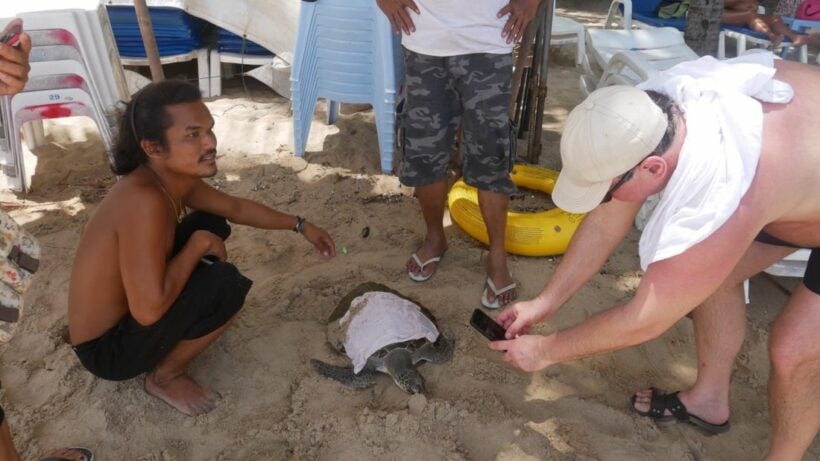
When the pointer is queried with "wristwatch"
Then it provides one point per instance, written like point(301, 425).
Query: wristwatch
point(300, 224)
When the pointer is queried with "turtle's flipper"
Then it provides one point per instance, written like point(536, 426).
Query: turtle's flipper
point(438, 352)
point(399, 365)
point(345, 375)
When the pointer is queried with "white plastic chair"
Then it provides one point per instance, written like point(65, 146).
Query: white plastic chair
point(75, 71)
point(628, 57)
point(566, 31)
point(95, 44)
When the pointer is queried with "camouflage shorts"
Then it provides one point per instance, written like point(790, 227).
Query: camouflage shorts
point(443, 93)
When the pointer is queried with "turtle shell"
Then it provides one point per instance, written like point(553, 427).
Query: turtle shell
point(336, 333)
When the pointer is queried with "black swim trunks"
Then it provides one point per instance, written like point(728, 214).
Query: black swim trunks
point(811, 278)
point(213, 295)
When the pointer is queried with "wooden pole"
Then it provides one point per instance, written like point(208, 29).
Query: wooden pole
point(148, 39)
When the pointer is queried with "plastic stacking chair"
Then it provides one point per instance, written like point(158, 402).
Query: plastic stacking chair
point(346, 52)
point(90, 34)
point(75, 70)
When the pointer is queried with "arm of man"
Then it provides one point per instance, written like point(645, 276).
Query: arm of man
point(151, 282)
point(14, 66)
point(596, 238)
point(670, 289)
point(247, 212)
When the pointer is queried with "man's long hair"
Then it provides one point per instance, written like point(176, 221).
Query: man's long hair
point(145, 118)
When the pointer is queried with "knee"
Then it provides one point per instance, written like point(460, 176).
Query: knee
point(788, 353)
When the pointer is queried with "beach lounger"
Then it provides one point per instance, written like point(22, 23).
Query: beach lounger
point(628, 57)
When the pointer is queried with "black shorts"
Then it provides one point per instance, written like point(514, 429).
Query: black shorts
point(213, 295)
point(811, 278)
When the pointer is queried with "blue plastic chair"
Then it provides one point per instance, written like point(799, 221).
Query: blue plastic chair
point(346, 52)
point(176, 31)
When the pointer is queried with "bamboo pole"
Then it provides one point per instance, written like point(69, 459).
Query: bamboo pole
point(544, 39)
point(148, 39)
point(518, 73)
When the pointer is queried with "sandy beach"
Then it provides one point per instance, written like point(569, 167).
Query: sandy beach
point(274, 405)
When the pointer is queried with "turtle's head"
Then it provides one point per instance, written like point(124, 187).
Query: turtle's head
point(410, 381)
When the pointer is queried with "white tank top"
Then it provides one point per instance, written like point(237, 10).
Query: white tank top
point(456, 27)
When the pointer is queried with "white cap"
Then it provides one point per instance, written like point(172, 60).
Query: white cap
point(609, 133)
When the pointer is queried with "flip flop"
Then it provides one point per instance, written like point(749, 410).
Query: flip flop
point(495, 304)
point(659, 403)
point(419, 277)
point(84, 455)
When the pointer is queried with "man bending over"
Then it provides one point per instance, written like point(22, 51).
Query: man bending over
point(732, 149)
point(150, 288)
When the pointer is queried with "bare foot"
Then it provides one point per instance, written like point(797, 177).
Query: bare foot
point(801, 40)
point(73, 454)
point(182, 393)
point(776, 40)
point(713, 412)
point(429, 249)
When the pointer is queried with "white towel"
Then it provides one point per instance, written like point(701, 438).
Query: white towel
point(377, 319)
point(717, 163)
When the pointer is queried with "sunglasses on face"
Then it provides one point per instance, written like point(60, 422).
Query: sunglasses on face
point(624, 178)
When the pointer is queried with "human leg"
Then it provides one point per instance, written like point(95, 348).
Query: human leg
point(719, 327)
point(428, 123)
point(494, 211)
point(744, 13)
point(7, 450)
point(777, 25)
point(794, 349)
point(484, 82)
point(431, 199)
point(170, 382)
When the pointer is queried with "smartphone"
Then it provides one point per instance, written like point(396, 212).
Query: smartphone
point(11, 34)
point(487, 326)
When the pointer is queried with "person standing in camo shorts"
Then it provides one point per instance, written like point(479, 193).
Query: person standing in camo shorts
point(458, 72)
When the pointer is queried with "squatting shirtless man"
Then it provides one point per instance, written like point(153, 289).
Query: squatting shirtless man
point(150, 288)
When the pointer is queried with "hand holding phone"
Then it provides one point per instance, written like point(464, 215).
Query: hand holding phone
point(487, 326)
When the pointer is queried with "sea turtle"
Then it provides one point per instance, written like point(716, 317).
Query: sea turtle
point(368, 325)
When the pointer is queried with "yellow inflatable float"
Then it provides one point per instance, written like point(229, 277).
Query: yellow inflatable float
point(544, 233)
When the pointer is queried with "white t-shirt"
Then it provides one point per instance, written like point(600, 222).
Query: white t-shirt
point(456, 27)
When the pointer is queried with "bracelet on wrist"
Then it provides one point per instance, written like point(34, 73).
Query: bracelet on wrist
point(300, 225)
